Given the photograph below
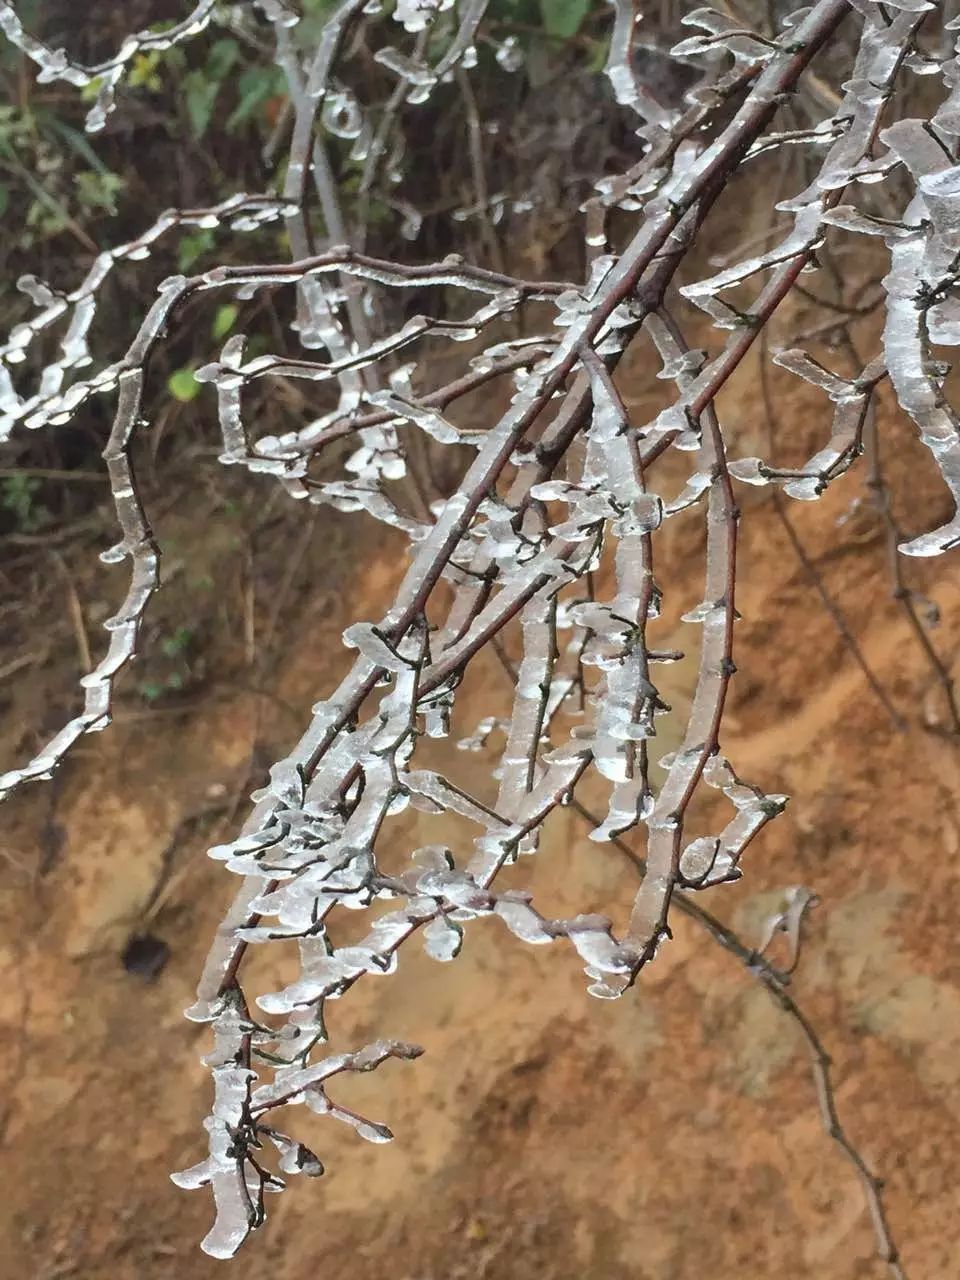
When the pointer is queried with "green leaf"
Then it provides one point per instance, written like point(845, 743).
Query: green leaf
point(173, 646)
point(143, 72)
point(223, 321)
point(256, 86)
point(223, 54)
point(17, 495)
point(599, 53)
point(200, 97)
point(192, 247)
point(183, 386)
point(174, 59)
point(563, 18)
point(89, 91)
point(98, 190)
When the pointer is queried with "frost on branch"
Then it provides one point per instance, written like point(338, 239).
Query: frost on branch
point(546, 553)
point(56, 64)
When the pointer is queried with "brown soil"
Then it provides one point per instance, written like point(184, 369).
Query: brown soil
point(667, 1136)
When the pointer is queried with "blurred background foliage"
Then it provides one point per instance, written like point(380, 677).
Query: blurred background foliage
point(193, 121)
point(194, 125)
point(210, 117)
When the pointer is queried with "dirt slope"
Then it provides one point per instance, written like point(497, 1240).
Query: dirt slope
point(666, 1136)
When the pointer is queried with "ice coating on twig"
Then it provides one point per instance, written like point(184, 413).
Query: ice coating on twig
point(542, 552)
point(56, 64)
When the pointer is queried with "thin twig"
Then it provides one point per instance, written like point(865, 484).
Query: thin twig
point(821, 1064)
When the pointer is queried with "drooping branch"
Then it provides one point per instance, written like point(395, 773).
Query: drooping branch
point(546, 549)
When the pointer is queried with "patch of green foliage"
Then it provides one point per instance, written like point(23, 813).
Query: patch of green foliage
point(18, 497)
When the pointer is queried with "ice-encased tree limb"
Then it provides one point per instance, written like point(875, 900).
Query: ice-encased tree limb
point(290, 890)
point(546, 548)
point(103, 77)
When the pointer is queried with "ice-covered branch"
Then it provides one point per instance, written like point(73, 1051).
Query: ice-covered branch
point(545, 550)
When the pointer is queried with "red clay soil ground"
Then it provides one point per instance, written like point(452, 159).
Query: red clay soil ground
point(668, 1136)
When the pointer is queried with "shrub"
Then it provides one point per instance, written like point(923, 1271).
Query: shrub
point(543, 549)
